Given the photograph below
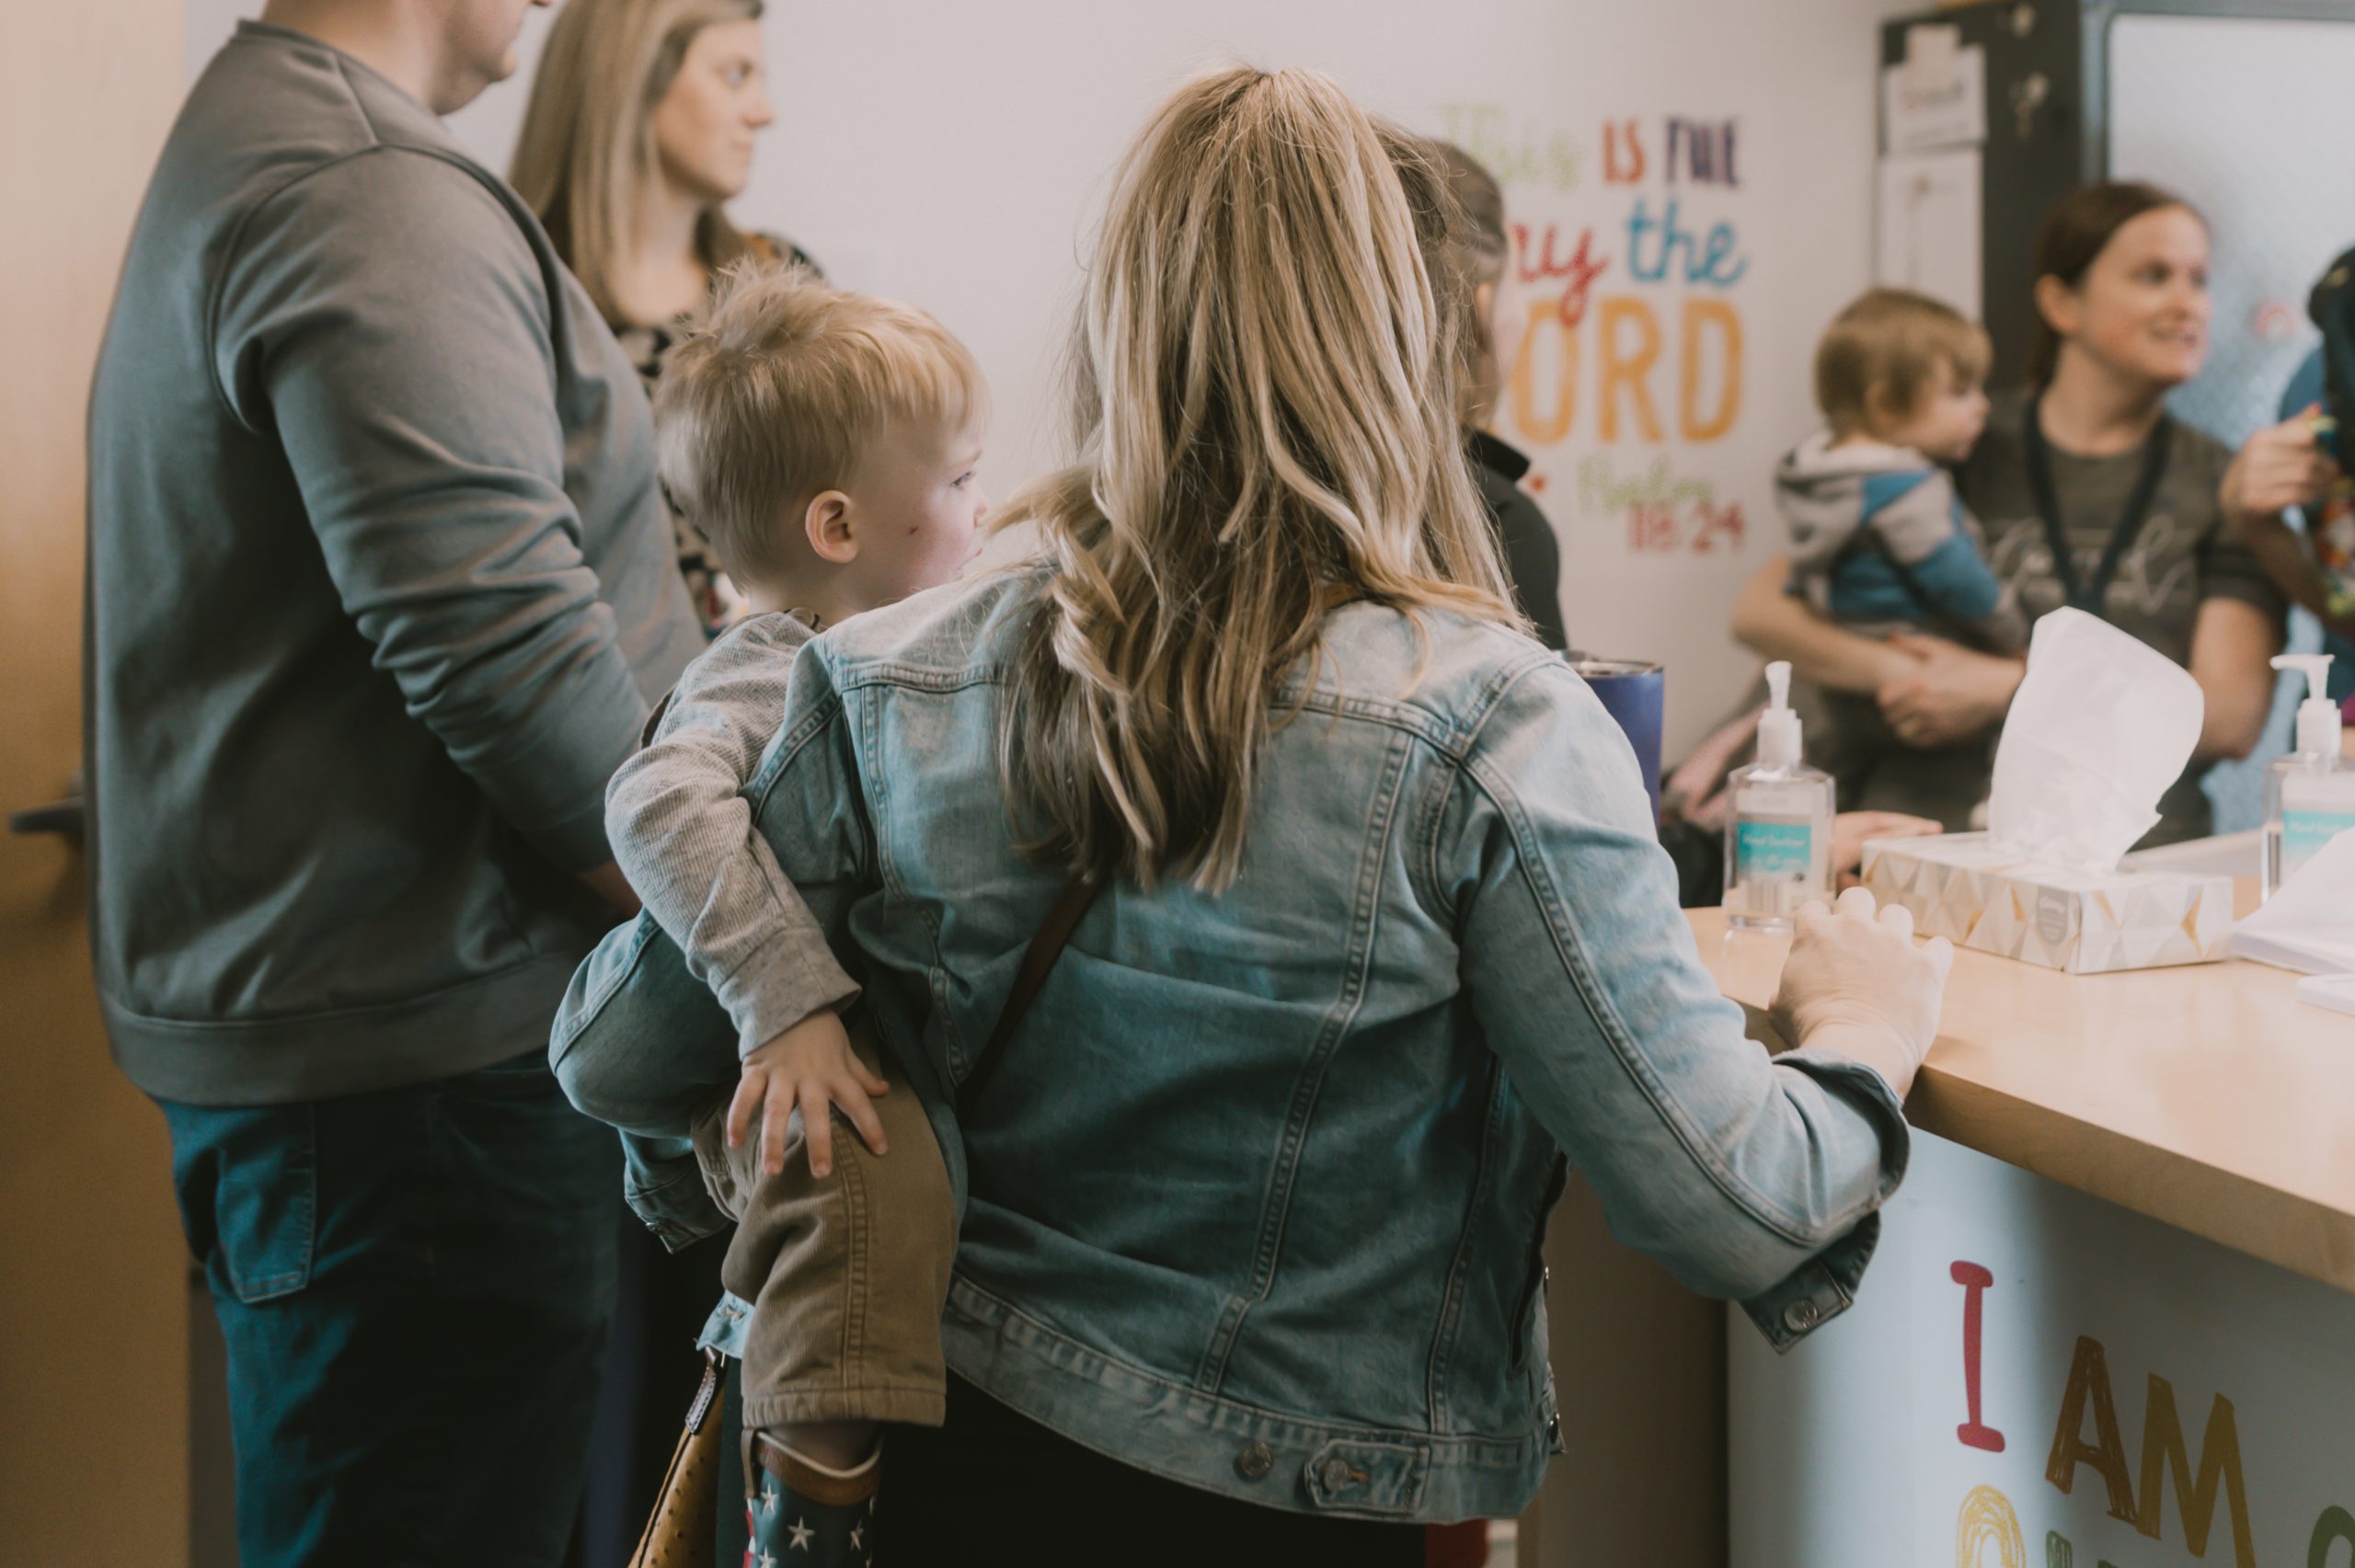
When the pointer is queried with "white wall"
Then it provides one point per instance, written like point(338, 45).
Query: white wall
point(957, 153)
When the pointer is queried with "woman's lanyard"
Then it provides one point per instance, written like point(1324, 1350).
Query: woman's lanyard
point(2089, 597)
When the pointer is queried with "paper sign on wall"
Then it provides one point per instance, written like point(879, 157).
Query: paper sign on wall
point(1938, 96)
point(1926, 230)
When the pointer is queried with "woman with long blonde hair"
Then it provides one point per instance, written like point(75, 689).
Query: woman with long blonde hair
point(640, 130)
point(1266, 918)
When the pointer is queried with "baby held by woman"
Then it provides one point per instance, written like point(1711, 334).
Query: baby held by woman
point(1879, 539)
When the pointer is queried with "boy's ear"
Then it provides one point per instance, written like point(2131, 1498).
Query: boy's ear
point(1883, 407)
point(827, 525)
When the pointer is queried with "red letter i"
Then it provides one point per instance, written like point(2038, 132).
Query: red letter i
point(1974, 1281)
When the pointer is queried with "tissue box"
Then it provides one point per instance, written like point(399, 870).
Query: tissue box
point(1963, 888)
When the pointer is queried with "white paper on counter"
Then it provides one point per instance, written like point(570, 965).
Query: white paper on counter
point(2336, 992)
point(2309, 923)
point(1927, 226)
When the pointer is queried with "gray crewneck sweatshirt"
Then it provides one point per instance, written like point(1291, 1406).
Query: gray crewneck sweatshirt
point(380, 590)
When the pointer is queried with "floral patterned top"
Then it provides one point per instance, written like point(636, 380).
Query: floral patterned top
point(716, 603)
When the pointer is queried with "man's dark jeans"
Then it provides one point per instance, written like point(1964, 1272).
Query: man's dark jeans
point(415, 1286)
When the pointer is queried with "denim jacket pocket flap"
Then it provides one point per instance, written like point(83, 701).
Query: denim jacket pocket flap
point(1372, 1478)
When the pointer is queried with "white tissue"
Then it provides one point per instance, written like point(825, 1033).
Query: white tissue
point(2309, 925)
point(2101, 726)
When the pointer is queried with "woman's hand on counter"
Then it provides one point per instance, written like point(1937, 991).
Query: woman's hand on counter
point(1856, 985)
point(1851, 830)
point(1948, 693)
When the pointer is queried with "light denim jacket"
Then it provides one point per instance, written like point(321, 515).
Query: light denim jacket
point(1255, 1199)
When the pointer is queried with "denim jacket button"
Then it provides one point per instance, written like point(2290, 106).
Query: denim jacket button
point(1255, 1461)
point(1801, 1316)
point(1334, 1474)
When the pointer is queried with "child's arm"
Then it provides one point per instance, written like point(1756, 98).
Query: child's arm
point(1772, 622)
point(1922, 528)
point(683, 833)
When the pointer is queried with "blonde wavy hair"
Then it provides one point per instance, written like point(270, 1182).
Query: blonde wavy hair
point(586, 152)
point(1264, 402)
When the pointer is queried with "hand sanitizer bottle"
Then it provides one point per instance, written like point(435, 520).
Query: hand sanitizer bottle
point(2309, 792)
point(1778, 828)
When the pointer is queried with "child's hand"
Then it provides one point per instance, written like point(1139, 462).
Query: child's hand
point(810, 1065)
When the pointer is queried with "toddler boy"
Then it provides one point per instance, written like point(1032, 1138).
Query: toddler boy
point(1879, 539)
point(825, 443)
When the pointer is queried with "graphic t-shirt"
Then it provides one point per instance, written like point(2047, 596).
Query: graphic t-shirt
point(2184, 554)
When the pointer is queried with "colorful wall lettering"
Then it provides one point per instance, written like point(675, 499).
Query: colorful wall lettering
point(1974, 1280)
point(1988, 1519)
point(2164, 1456)
point(1634, 340)
point(2135, 1494)
point(2336, 1525)
point(2122, 1393)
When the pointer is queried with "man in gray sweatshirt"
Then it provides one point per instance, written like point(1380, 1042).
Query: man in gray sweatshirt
point(380, 591)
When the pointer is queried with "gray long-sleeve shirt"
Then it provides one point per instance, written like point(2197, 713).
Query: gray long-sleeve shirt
point(683, 833)
point(380, 589)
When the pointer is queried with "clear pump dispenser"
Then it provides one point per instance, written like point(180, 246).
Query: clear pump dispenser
point(1779, 824)
point(2310, 791)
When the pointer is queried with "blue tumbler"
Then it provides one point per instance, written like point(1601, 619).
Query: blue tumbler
point(1635, 694)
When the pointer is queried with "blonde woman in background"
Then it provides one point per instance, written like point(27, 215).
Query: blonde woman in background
point(640, 130)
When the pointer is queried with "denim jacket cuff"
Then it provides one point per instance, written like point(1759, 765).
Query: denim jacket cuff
point(664, 1188)
point(1826, 1287)
point(729, 1327)
point(1821, 1289)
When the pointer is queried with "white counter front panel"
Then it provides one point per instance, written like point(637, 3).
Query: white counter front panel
point(1857, 1451)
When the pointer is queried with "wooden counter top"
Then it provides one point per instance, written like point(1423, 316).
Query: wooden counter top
point(2206, 1097)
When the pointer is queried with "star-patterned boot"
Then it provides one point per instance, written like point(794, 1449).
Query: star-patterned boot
point(801, 1514)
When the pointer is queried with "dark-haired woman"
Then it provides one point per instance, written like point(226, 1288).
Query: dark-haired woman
point(1475, 281)
point(2089, 495)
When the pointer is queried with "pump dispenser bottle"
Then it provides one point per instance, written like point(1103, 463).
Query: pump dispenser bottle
point(1778, 826)
point(2310, 791)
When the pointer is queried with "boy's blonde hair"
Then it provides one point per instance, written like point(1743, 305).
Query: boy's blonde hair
point(1265, 399)
point(1880, 357)
point(770, 399)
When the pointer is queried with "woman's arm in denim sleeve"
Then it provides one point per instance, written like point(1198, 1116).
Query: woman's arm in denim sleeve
point(636, 988)
point(1748, 1178)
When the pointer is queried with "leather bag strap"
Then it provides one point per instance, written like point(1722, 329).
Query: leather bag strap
point(1038, 962)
